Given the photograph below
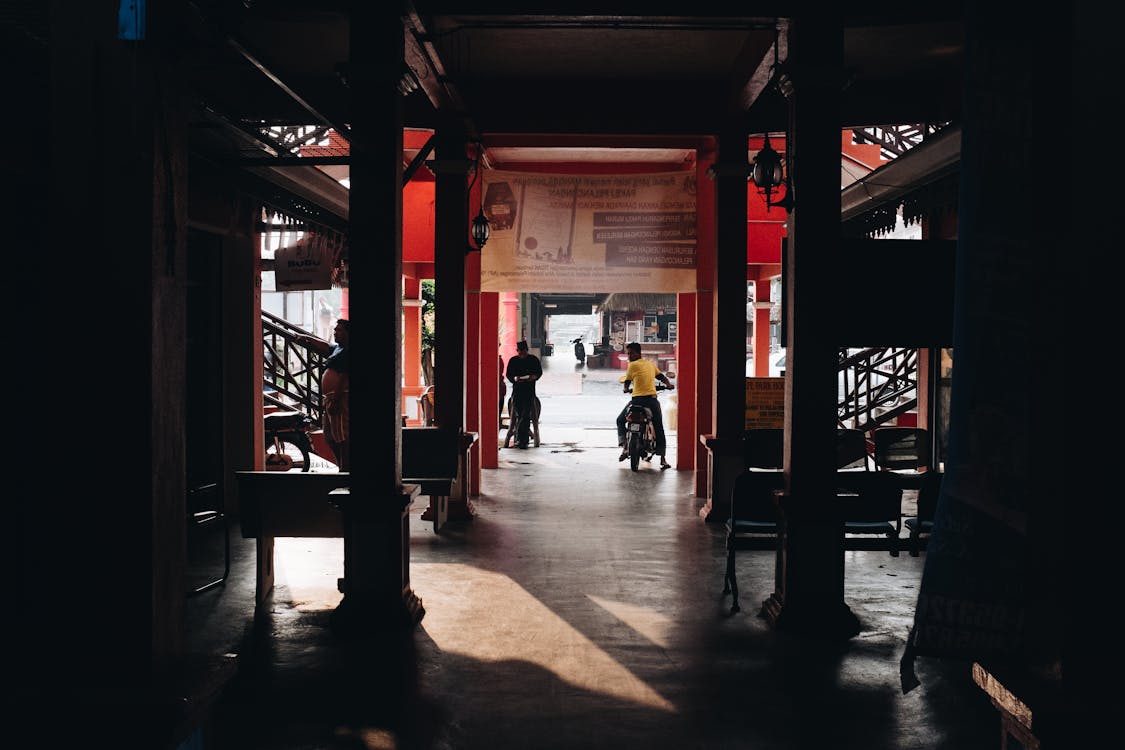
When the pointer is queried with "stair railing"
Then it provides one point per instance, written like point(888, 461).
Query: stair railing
point(291, 370)
point(877, 385)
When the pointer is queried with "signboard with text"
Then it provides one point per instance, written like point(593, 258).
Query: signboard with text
point(765, 402)
point(589, 233)
point(305, 264)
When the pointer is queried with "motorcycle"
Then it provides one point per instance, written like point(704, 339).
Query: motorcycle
point(288, 444)
point(514, 419)
point(579, 350)
point(640, 433)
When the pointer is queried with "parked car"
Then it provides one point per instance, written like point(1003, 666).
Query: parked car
point(777, 364)
point(776, 368)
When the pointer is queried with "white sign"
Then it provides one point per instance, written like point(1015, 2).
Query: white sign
point(306, 264)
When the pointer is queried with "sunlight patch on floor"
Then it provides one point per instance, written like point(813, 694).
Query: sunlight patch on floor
point(648, 622)
point(308, 569)
point(488, 616)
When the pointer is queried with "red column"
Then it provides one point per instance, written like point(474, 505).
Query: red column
point(509, 324)
point(687, 434)
point(473, 399)
point(490, 372)
point(411, 333)
point(704, 322)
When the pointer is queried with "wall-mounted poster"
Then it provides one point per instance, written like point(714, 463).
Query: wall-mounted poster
point(589, 233)
point(617, 332)
point(765, 402)
point(545, 229)
point(632, 331)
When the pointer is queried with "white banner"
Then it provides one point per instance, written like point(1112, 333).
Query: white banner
point(589, 233)
point(306, 264)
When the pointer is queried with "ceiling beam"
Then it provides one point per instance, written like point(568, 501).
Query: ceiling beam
point(762, 77)
point(418, 160)
point(424, 61)
point(261, 66)
point(251, 58)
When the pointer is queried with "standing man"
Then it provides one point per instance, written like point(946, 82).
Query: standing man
point(334, 385)
point(642, 376)
point(503, 389)
point(522, 372)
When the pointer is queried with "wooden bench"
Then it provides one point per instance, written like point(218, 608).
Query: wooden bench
point(435, 459)
point(1038, 709)
point(287, 504)
point(284, 503)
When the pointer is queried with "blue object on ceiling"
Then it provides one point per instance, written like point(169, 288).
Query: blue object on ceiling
point(131, 19)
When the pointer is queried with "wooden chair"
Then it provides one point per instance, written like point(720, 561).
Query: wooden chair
point(754, 522)
point(923, 523)
point(870, 503)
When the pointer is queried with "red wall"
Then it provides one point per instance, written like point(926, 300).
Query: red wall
point(764, 228)
point(418, 221)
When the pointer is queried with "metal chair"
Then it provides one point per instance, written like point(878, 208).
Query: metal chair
point(921, 524)
point(763, 448)
point(754, 523)
point(851, 450)
point(902, 450)
point(871, 503)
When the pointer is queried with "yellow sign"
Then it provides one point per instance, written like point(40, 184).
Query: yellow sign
point(765, 402)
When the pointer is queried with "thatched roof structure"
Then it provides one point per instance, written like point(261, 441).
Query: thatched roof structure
point(622, 301)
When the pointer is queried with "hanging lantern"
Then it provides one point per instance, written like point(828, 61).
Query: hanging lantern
point(480, 230)
point(768, 174)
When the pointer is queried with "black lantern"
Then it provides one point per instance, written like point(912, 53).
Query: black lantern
point(768, 173)
point(480, 228)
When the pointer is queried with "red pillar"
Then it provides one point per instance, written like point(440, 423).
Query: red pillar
point(473, 400)
point(490, 372)
point(687, 434)
point(704, 322)
point(510, 324)
point(411, 333)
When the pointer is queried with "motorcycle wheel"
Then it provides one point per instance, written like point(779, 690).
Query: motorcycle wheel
point(298, 456)
point(634, 452)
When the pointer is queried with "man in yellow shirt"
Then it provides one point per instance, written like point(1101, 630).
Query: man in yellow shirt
point(643, 375)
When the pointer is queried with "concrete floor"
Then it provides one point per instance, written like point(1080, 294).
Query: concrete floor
point(580, 608)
